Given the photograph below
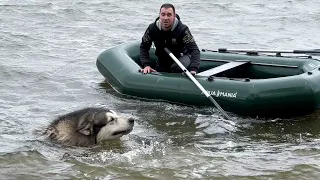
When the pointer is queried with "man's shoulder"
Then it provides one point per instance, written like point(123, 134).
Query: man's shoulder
point(152, 26)
point(181, 26)
point(153, 23)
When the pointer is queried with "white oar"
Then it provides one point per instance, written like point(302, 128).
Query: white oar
point(197, 83)
point(312, 51)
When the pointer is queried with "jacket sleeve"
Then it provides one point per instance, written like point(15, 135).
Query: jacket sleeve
point(144, 49)
point(192, 49)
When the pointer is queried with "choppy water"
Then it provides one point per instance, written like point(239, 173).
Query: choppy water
point(47, 68)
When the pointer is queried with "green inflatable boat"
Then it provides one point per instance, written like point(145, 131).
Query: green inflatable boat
point(247, 83)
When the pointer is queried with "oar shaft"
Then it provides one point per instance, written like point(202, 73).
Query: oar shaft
point(188, 74)
point(197, 83)
point(269, 51)
point(306, 51)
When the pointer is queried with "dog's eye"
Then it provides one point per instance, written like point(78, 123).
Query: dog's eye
point(112, 119)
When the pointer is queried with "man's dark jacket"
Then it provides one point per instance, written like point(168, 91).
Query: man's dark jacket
point(178, 40)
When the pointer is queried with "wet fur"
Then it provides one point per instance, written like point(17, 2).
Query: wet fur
point(88, 126)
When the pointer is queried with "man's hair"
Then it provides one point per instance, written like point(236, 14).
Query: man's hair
point(167, 5)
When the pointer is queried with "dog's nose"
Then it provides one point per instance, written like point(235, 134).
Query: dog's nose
point(131, 120)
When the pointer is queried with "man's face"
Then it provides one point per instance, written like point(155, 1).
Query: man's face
point(167, 17)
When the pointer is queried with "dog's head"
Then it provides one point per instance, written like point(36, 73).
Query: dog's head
point(105, 125)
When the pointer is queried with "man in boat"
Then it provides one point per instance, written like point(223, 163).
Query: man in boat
point(168, 31)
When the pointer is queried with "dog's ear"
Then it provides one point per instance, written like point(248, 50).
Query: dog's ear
point(85, 127)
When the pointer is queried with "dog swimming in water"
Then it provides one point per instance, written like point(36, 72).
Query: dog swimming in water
point(88, 126)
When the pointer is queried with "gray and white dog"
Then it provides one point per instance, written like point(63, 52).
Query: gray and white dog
point(88, 126)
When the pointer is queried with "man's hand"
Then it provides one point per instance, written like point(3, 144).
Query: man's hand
point(193, 73)
point(147, 70)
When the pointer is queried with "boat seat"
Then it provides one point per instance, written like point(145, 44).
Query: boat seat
point(224, 67)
